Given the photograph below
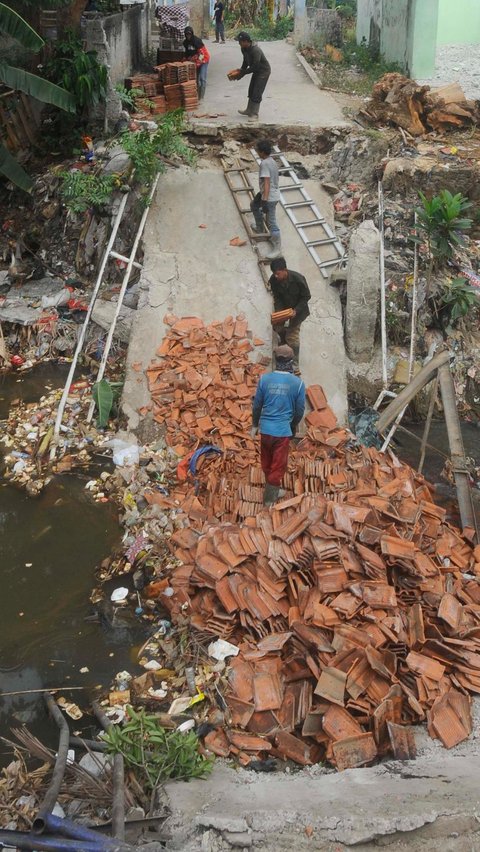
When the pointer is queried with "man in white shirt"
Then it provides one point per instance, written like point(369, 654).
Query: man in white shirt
point(265, 202)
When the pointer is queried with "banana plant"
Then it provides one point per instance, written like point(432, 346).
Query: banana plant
point(15, 27)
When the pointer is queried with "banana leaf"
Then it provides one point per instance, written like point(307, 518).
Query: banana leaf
point(13, 170)
point(14, 26)
point(103, 396)
point(37, 87)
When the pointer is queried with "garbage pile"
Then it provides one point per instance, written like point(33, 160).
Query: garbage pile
point(348, 612)
point(418, 109)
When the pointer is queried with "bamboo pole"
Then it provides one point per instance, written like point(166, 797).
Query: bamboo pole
point(428, 423)
point(462, 478)
point(423, 377)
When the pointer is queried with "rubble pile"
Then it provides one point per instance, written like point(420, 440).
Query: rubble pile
point(349, 611)
point(354, 606)
point(418, 109)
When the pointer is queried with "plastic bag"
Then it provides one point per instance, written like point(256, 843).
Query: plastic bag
point(124, 453)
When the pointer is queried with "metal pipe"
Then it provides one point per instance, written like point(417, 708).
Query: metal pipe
point(428, 423)
point(74, 831)
point(460, 472)
point(383, 301)
point(22, 840)
point(118, 778)
point(413, 326)
point(81, 339)
point(121, 295)
point(58, 770)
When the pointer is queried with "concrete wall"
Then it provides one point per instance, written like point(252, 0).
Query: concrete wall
point(403, 31)
point(120, 40)
point(314, 24)
point(459, 22)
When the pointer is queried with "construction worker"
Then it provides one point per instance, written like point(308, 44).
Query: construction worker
point(255, 63)
point(278, 407)
point(195, 51)
point(289, 290)
point(265, 202)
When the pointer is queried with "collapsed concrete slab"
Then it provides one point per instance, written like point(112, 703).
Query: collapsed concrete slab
point(362, 292)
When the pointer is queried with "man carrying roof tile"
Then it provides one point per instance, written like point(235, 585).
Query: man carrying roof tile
point(289, 290)
point(255, 63)
point(278, 407)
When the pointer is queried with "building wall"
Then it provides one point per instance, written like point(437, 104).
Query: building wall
point(459, 22)
point(120, 40)
point(404, 31)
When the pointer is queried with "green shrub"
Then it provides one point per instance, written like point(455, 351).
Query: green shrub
point(154, 753)
point(77, 70)
point(82, 190)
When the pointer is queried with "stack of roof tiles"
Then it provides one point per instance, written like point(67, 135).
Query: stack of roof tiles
point(176, 72)
point(354, 604)
point(173, 96)
point(189, 95)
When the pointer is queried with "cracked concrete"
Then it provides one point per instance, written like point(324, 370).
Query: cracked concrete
point(390, 804)
point(193, 271)
point(290, 97)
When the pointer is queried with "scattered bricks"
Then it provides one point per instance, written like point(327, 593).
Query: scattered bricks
point(402, 741)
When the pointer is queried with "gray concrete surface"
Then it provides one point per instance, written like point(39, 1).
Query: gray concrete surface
point(405, 805)
point(457, 63)
point(192, 271)
point(290, 97)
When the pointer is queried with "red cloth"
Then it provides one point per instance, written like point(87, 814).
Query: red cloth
point(274, 458)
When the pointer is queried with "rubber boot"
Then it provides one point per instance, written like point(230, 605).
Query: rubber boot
point(276, 250)
point(248, 110)
point(254, 111)
point(296, 359)
point(201, 91)
point(270, 494)
point(259, 229)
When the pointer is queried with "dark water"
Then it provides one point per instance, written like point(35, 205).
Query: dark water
point(49, 548)
point(408, 449)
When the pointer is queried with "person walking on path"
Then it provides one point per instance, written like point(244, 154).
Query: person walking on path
point(289, 290)
point(255, 63)
point(195, 51)
point(278, 407)
point(265, 202)
point(218, 11)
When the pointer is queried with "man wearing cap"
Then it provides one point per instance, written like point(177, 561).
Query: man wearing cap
point(278, 407)
point(255, 63)
point(289, 290)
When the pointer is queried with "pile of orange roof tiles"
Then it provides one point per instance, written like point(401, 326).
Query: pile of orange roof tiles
point(354, 604)
point(202, 388)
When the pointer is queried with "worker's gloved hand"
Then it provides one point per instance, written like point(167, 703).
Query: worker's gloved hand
point(253, 431)
point(293, 427)
point(265, 207)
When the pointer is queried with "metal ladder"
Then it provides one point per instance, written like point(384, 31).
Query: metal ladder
point(243, 193)
point(323, 235)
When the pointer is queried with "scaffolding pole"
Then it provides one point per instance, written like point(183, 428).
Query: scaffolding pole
point(121, 295)
point(81, 339)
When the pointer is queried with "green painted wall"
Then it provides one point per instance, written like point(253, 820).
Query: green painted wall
point(422, 37)
point(459, 22)
point(405, 31)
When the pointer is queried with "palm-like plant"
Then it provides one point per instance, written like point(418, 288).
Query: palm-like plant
point(14, 26)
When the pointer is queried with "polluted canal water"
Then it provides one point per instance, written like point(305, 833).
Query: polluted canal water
point(49, 548)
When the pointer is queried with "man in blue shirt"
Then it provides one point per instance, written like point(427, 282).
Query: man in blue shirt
point(278, 407)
